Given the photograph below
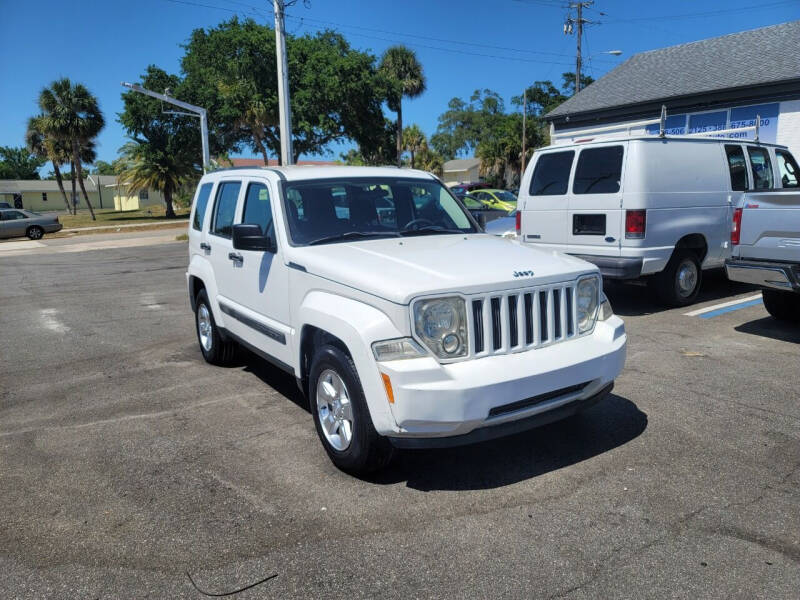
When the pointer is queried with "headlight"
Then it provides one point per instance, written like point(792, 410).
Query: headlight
point(398, 349)
point(587, 301)
point(441, 324)
point(605, 311)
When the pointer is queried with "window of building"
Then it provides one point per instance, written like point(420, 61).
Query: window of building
point(44, 196)
point(144, 195)
point(599, 171)
point(551, 175)
point(257, 208)
point(762, 168)
point(787, 167)
point(225, 208)
point(200, 205)
point(738, 167)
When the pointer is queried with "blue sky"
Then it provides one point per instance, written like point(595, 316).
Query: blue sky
point(503, 45)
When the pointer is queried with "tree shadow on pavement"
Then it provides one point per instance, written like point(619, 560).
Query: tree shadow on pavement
point(613, 422)
point(636, 299)
point(772, 328)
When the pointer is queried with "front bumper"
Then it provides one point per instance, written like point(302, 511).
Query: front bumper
point(432, 400)
point(773, 275)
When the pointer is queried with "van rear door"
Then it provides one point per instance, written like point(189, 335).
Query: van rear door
point(544, 213)
point(595, 220)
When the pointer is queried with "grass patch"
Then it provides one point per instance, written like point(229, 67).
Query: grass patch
point(110, 217)
point(184, 237)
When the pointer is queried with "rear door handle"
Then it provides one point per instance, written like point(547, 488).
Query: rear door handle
point(204, 246)
point(236, 257)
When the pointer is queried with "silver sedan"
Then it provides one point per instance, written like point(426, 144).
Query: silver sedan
point(16, 222)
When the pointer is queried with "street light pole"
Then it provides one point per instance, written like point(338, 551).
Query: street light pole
point(196, 111)
point(524, 115)
point(284, 107)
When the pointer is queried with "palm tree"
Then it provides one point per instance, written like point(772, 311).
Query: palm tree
point(403, 72)
point(148, 166)
point(71, 114)
point(414, 141)
point(48, 148)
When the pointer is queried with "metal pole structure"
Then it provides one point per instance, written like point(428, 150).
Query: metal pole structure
point(578, 57)
point(284, 107)
point(524, 115)
point(196, 110)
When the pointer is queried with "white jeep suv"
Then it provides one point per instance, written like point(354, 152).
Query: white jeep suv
point(403, 323)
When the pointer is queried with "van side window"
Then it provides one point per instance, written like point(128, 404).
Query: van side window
point(200, 205)
point(551, 175)
point(762, 168)
point(599, 171)
point(788, 169)
point(257, 208)
point(737, 167)
point(225, 208)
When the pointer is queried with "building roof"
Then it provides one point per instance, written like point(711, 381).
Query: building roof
point(758, 57)
point(11, 186)
point(461, 164)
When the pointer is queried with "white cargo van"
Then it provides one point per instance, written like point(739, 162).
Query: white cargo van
point(644, 206)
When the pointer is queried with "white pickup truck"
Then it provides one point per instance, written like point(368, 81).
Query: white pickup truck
point(766, 242)
point(403, 323)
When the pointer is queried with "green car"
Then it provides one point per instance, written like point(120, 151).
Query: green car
point(494, 199)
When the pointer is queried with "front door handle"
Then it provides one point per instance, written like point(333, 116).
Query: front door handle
point(237, 258)
point(204, 246)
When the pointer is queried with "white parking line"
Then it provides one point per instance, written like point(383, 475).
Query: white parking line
point(49, 320)
point(713, 307)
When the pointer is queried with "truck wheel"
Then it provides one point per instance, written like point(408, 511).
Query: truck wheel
point(215, 350)
point(35, 232)
point(341, 415)
point(679, 283)
point(784, 306)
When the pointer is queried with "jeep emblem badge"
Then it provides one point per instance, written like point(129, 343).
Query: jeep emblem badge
point(523, 273)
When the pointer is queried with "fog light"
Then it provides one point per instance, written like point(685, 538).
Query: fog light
point(450, 343)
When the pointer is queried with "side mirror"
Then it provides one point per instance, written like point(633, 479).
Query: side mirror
point(247, 236)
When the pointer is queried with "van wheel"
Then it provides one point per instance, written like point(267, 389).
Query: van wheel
point(341, 415)
point(215, 350)
point(35, 232)
point(784, 306)
point(679, 283)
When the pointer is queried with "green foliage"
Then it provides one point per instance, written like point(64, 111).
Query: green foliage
point(19, 163)
point(568, 83)
point(404, 78)
point(102, 167)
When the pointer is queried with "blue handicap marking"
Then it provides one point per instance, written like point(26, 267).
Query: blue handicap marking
point(727, 309)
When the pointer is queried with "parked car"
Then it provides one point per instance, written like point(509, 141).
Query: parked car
point(462, 189)
point(5, 205)
point(495, 199)
point(504, 226)
point(644, 206)
point(766, 238)
point(403, 329)
point(19, 223)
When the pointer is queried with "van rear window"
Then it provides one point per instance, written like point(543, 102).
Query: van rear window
point(551, 175)
point(599, 171)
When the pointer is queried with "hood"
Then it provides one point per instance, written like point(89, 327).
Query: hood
point(399, 269)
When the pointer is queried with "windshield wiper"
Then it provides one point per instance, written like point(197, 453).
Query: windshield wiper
point(429, 229)
point(349, 235)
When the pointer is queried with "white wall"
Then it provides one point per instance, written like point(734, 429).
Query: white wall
point(789, 126)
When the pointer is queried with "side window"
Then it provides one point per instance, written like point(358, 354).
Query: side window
point(13, 215)
point(599, 171)
point(737, 167)
point(787, 167)
point(551, 175)
point(257, 208)
point(762, 168)
point(225, 208)
point(200, 205)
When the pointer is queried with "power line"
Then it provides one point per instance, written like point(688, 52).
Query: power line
point(709, 13)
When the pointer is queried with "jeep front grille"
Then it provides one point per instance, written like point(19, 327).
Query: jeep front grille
point(522, 319)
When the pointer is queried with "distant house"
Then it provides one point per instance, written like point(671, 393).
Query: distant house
point(462, 170)
point(104, 191)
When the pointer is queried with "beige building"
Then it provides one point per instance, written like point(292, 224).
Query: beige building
point(462, 170)
point(104, 191)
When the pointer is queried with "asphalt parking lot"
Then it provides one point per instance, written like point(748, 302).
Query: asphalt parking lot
point(125, 462)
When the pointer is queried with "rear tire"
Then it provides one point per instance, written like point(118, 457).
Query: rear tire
point(679, 283)
point(341, 414)
point(784, 306)
point(216, 351)
point(35, 232)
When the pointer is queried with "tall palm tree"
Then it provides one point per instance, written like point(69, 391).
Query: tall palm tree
point(44, 146)
point(403, 72)
point(414, 141)
point(72, 114)
point(149, 167)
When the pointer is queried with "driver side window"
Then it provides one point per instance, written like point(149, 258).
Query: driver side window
point(258, 208)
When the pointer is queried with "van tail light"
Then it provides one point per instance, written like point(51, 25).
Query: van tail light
point(518, 221)
point(635, 224)
point(736, 228)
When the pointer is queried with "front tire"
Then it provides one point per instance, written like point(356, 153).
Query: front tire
point(35, 232)
point(341, 415)
point(679, 283)
point(216, 351)
point(784, 306)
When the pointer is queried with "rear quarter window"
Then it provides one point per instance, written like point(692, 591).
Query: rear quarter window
point(551, 175)
point(200, 204)
point(599, 171)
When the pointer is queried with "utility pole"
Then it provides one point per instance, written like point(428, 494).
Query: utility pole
point(524, 115)
point(568, 29)
point(284, 107)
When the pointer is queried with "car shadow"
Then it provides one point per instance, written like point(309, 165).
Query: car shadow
point(771, 328)
point(635, 299)
point(278, 379)
point(613, 422)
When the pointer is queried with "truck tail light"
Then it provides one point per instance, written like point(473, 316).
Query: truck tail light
point(635, 224)
point(736, 228)
point(518, 221)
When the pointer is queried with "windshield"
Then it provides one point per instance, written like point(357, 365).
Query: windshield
point(323, 211)
point(506, 196)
